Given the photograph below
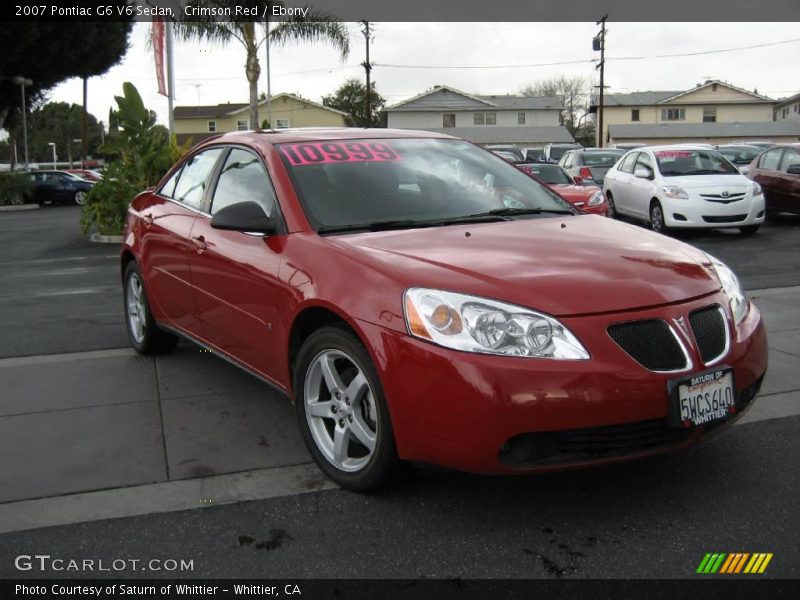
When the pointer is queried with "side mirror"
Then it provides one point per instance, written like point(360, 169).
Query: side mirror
point(578, 179)
point(793, 170)
point(244, 216)
point(643, 173)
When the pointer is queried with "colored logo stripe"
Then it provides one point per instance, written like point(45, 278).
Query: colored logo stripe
point(720, 562)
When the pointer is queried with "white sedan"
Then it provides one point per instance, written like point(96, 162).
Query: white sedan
point(683, 186)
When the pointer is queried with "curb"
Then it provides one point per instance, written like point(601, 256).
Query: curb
point(18, 207)
point(105, 239)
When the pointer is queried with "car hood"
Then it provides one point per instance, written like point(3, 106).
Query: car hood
point(562, 266)
point(732, 181)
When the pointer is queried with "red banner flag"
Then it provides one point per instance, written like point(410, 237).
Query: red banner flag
point(157, 31)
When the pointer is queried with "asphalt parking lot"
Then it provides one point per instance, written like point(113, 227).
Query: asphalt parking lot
point(100, 445)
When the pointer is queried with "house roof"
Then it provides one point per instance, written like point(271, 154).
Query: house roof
point(443, 97)
point(509, 135)
point(230, 108)
point(789, 100)
point(705, 130)
point(650, 98)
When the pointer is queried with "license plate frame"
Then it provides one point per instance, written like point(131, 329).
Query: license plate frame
point(702, 398)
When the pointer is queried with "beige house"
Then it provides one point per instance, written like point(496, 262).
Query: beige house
point(200, 122)
point(788, 109)
point(714, 112)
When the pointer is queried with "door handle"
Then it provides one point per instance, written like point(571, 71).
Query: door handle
point(199, 243)
point(148, 219)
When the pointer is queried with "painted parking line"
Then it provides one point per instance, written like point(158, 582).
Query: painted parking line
point(37, 261)
point(165, 497)
point(71, 356)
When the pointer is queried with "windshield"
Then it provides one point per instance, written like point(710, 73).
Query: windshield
point(673, 163)
point(556, 152)
point(552, 174)
point(601, 159)
point(407, 182)
point(740, 155)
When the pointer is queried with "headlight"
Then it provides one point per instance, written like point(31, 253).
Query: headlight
point(596, 199)
point(731, 287)
point(673, 191)
point(474, 324)
point(757, 191)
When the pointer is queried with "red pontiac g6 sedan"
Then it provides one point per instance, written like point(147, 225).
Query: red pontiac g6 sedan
point(420, 299)
point(589, 198)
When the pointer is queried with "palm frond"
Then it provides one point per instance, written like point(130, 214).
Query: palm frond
point(314, 27)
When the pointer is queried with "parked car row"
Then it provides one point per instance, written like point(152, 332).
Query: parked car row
point(50, 187)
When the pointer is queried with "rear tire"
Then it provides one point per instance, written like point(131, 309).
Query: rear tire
point(749, 229)
point(145, 336)
point(80, 197)
point(342, 411)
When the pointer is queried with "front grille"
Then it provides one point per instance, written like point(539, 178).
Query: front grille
point(608, 441)
point(723, 199)
point(728, 219)
point(710, 333)
point(650, 343)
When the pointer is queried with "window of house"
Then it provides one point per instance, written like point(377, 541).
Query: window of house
point(521, 118)
point(479, 119)
point(243, 179)
point(448, 120)
point(281, 123)
point(242, 125)
point(491, 118)
point(212, 126)
point(710, 114)
point(194, 178)
point(673, 114)
point(785, 112)
point(634, 114)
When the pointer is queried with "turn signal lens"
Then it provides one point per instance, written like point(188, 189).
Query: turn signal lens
point(414, 321)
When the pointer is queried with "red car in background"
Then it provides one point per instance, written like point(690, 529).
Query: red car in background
point(420, 300)
point(777, 171)
point(87, 174)
point(588, 198)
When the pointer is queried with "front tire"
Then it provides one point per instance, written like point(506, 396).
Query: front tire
point(612, 209)
point(342, 412)
point(80, 197)
point(657, 223)
point(145, 336)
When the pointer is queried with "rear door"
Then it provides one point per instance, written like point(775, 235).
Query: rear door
point(767, 176)
point(235, 274)
point(167, 225)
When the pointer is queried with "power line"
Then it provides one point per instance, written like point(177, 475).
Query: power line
point(577, 62)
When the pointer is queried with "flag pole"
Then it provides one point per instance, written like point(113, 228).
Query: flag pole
point(170, 78)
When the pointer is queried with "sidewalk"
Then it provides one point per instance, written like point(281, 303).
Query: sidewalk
point(111, 419)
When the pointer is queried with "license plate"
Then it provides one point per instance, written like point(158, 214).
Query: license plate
point(705, 397)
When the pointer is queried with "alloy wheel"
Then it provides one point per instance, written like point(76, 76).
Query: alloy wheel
point(341, 410)
point(80, 197)
point(136, 308)
point(657, 218)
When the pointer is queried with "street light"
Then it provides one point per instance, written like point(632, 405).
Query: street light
point(22, 82)
point(53, 145)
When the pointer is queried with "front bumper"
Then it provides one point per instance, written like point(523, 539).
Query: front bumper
point(465, 411)
point(698, 212)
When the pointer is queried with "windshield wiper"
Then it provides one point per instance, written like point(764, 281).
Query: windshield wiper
point(511, 212)
point(410, 223)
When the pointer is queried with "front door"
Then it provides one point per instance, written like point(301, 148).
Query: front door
point(235, 274)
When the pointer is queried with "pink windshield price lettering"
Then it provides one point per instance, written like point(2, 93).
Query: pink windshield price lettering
point(673, 154)
point(320, 153)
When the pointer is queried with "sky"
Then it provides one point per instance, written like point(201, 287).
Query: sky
point(211, 74)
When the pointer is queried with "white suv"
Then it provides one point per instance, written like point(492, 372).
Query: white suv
point(683, 186)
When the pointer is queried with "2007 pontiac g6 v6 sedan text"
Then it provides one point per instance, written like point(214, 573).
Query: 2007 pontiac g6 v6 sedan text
point(420, 299)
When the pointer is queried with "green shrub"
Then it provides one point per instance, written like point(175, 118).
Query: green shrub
point(15, 188)
point(141, 152)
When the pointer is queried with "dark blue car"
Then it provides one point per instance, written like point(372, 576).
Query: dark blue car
point(49, 187)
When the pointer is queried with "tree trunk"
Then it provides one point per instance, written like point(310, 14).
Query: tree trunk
point(84, 141)
point(253, 70)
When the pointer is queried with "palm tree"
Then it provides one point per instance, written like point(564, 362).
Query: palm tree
point(313, 27)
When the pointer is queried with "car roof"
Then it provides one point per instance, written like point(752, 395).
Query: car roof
point(309, 134)
point(673, 147)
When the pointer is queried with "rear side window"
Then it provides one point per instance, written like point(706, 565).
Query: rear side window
point(791, 158)
point(628, 162)
point(243, 179)
point(194, 178)
point(771, 159)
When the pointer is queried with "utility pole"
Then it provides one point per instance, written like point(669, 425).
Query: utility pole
point(22, 82)
point(599, 43)
point(170, 77)
point(367, 69)
point(270, 124)
point(84, 140)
